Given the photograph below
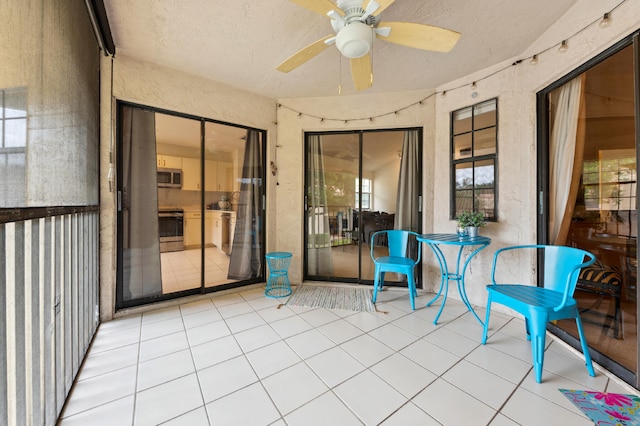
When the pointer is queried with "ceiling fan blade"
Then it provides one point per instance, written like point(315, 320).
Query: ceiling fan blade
point(383, 4)
point(420, 36)
point(321, 7)
point(304, 54)
point(361, 72)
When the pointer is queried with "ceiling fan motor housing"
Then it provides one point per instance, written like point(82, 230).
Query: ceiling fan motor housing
point(355, 40)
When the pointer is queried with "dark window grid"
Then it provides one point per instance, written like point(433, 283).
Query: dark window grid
point(472, 160)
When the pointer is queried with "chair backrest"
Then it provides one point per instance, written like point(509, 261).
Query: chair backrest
point(397, 241)
point(562, 266)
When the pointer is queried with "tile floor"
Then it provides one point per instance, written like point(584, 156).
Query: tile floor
point(240, 359)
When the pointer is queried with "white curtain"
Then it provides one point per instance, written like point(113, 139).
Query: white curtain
point(407, 216)
point(319, 260)
point(565, 158)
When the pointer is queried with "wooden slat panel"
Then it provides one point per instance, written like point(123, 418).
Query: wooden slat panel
point(49, 322)
point(16, 331)
point(35, 396)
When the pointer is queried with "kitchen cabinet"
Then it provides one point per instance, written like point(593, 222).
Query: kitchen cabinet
point(191, 174)
point(218, 176)
point(192, 229)
point(208, 228)
point(169, 162)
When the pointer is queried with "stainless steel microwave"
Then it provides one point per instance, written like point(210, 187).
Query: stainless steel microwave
point(169, 178)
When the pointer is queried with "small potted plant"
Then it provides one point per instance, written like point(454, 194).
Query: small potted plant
point(470, 222)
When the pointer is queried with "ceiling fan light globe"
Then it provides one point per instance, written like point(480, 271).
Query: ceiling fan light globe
point(354, 40)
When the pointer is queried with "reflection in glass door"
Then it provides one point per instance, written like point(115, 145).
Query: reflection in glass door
point(593, 203)
point(352, 190)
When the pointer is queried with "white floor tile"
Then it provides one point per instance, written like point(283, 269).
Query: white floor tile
point(309, 343)
point(197, 417)
point(118, 412)
point(430, 356)
point(99, 390)
point(250, 406)
point(367, 350)
point(111, 360)
point(370, 397)
point(257, 337)
point(500, 363)
point(404, 375)
point(225, 378)
point(256, 364)
point(327, 409)
point(163, 345)
point(334, 366)
point(476, 381)
point(273, 358)
point(215, 351)
point(394, 336)
point(164, 369)
point(340, 331)
point(451, 406)
point(168, 400)
point(526, 408)
point(294, 387)
point(207, 332)
point(290, 326)
point(244, 321)
point(409, 415)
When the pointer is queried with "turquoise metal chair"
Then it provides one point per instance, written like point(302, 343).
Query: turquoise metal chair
point(539, 305)
point(396, 260)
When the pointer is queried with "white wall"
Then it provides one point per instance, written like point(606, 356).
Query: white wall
point(385, 187)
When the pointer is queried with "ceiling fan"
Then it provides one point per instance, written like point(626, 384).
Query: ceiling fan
point(356, 25)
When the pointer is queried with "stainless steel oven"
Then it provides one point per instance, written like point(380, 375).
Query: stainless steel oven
point(171, 229)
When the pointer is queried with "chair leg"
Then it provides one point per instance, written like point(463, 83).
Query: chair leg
point(412, 289)
point(585, 347)
point(486, 320)
point(376, 282)
point(538, 328)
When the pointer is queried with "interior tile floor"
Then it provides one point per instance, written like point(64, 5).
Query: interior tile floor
point(244, 359)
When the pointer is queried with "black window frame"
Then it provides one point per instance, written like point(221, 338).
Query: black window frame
point(473, 159)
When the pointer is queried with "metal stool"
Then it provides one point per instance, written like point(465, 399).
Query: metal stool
point(278, 284)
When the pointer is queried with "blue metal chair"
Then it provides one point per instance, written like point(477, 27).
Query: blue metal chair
point(395, 261)
point(539, 305)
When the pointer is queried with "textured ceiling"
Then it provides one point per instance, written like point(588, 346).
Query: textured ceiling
point(241, 42)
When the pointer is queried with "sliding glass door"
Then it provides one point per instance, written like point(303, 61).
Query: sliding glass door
point(190, 214)
point(357, 183)
point(589, 177)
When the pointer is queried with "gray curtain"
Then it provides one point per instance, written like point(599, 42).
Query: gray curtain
point(141, 241)
point(319, 261)
point(247, 254)
point(407, 211)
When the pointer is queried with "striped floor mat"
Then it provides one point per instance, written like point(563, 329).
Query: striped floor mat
point(347, 298)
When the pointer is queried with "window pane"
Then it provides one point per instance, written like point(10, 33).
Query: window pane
point(464, 200)
point(484, 142)
point(485, 114)
point(462, 146)
point(15, 103)
point(464, 175)
point(484, 174)
point(15, 132)
point(462, 121)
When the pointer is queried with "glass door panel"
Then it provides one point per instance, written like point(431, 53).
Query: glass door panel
point(351, 192)
point(602, 204)
point(179, 214)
